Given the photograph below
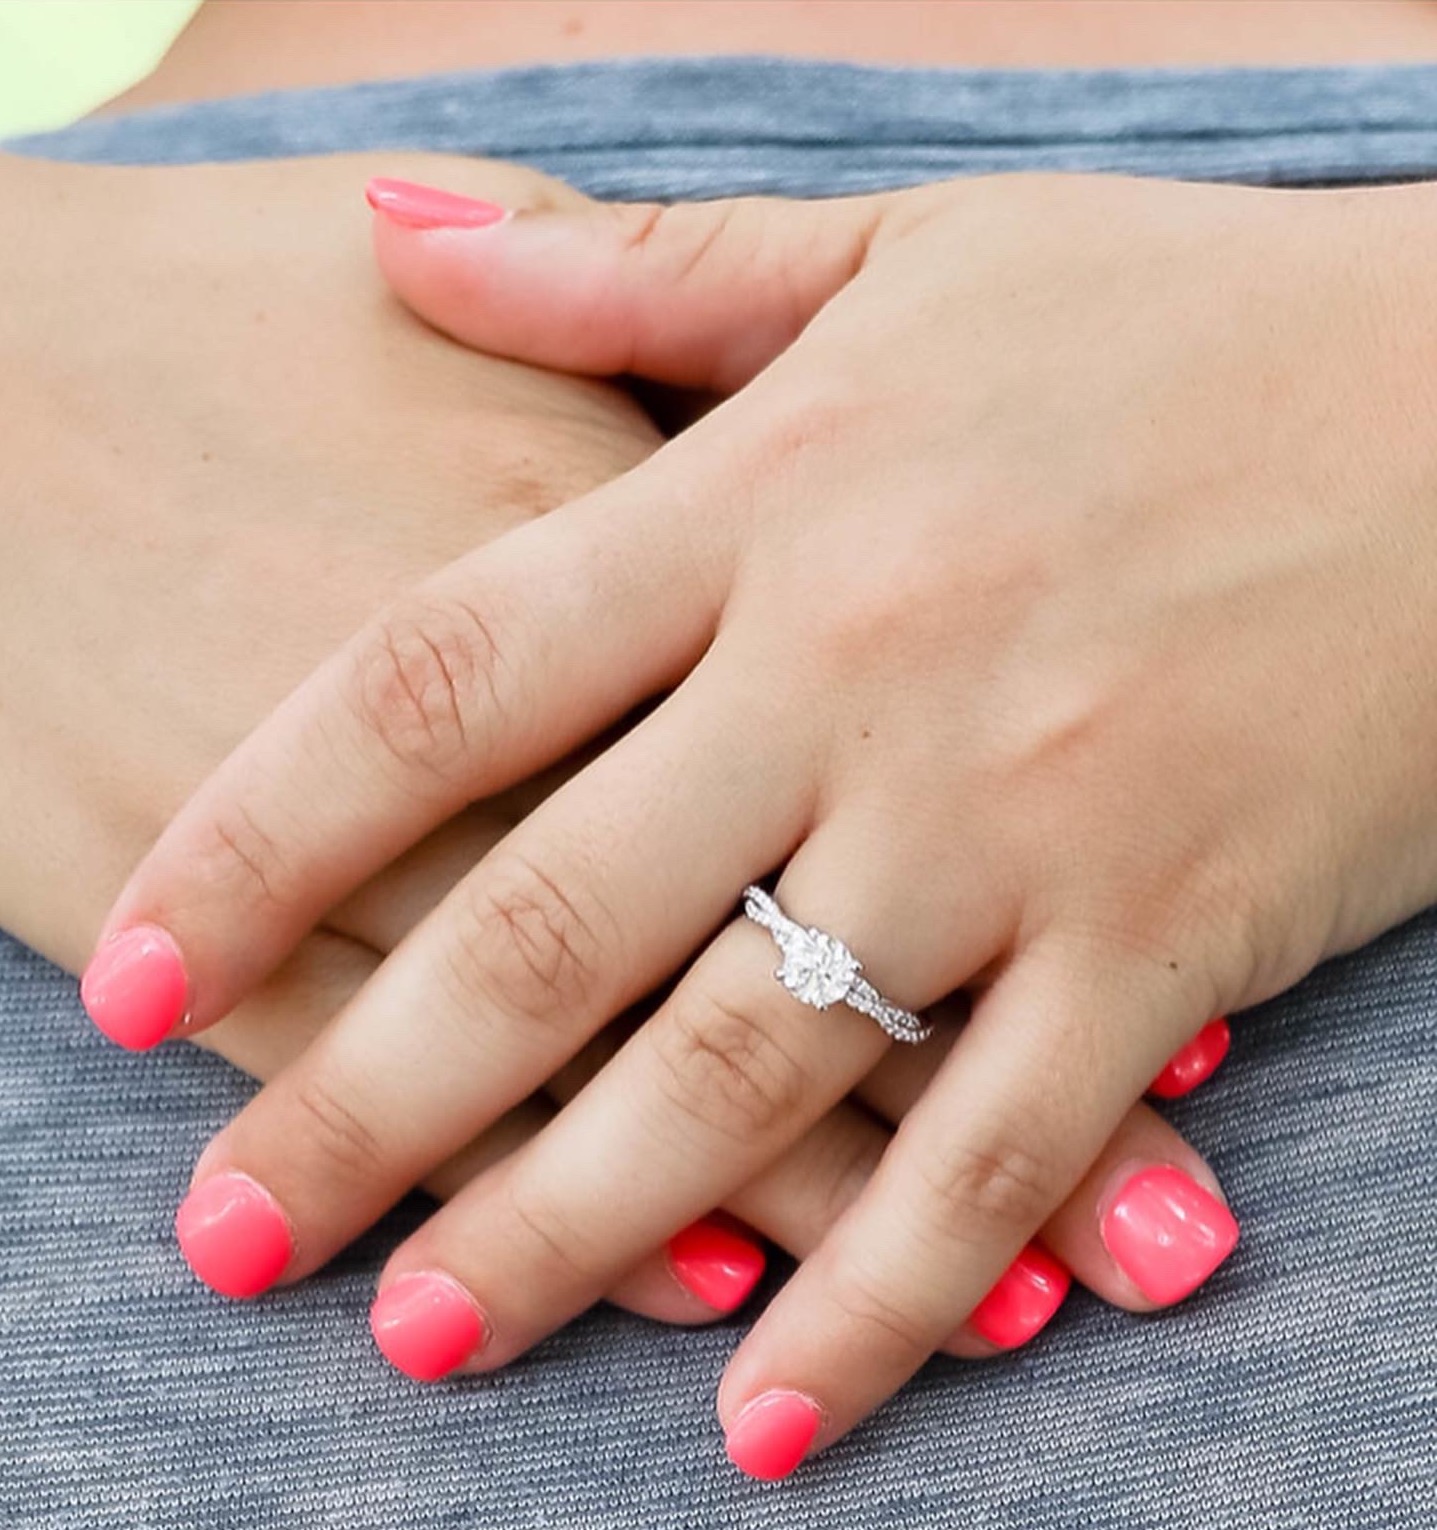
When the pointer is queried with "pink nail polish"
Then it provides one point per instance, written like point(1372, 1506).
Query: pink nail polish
point(234, 1235)
point(426, 1325)
point(1198, 1060)
point(1167, 1233)
point(716, 1265)
point(414, 206)
point(135, 988)
point(1026, 1296)
point(772, 1433)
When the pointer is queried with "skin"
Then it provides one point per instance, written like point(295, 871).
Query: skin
point(1118, 546)
point(236, 46)
point(216, 530)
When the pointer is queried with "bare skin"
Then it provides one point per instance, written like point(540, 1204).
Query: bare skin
point(225, 445)
point(232, 48)
point(1141, 620)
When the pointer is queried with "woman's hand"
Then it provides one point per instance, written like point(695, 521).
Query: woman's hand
point(225, 446)
point(1053, 605)
point(165, 505)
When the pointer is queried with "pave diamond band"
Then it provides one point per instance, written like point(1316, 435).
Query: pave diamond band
point(819, 970)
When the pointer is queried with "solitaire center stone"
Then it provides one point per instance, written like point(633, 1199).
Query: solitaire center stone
point(817, 968)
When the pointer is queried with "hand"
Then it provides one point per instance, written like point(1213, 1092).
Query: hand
point(199, 541)
point(225, 446)
point(1103, 508)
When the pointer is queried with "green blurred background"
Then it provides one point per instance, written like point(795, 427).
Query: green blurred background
point(61, 58)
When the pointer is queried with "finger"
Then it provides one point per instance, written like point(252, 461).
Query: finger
point(726, 1076)
point(798, 1199)
point(894, 1086)
point(501, 664)
point(1194, 1063)
point(393, 902)
point(700, 294)
point(1030, 1291)
point(590, 903)
point(1022, 1106)
point(705, 1271)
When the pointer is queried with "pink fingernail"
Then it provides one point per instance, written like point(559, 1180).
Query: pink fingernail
point(426, 1325)
point(1198, 1060)
point(414, 206)
point(1026, 1296)
point(1167, 1233)
point(715, 1264)
point(234, 1235)
point(135, 988)
point(772, 1433)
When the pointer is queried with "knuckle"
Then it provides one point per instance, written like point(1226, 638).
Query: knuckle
point(427, 683)
point(553, 1233)
point(820, 413)
point(334, 1130)
point(875, 1318)
point(527, 945)
point(236, 851)
point(726, 1071)
point(679, 237)
point(981, 1186)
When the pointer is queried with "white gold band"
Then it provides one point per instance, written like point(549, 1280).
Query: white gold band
point(819, 970)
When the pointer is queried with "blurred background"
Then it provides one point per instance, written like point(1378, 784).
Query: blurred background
point(60, 59)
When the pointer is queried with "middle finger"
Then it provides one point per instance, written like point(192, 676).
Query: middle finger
point(587, 905)
point(729, 1073)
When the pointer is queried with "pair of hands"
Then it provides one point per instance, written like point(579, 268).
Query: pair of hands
point(169, 586)
point(1078, 548)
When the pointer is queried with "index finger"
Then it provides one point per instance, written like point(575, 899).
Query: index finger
point(499, 665)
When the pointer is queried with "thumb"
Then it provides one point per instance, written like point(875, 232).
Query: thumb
point(698, 294)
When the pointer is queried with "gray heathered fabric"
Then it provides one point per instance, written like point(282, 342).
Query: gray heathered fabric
point(1299, 1389)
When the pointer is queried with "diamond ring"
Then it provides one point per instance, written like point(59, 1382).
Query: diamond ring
point(819, 970)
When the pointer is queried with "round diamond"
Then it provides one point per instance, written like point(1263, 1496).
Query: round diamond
point(817, 968)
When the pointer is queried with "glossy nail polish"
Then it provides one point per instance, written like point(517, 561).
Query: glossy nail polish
point(1167, 1233)
point(1198, 1060)
point(426, 1325)
point(1026, 1296)
point(715, 1264)
point(414, 206)
point(772, 1434)
point(135, 988)
point(234, 1235)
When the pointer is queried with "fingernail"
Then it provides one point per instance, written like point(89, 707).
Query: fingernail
point(234, 1235)
point(715, 1264)
point(772, 1433)
point(426, 1325)
point(135, 988)
point(414, 206)
point(1167, 1233)
point(1026, 1296)
point(1198, 1060)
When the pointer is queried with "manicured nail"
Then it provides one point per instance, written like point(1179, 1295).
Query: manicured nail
point(234, 1235)
point(1028, 1293)
point(718, 1266)
point(1167, 1233)
point(1198, 1060)
point(414, 206)
point(772, 1433)
point(426, 1325)
point(135, 988)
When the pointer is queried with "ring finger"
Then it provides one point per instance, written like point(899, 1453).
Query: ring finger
point(728, 1073)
